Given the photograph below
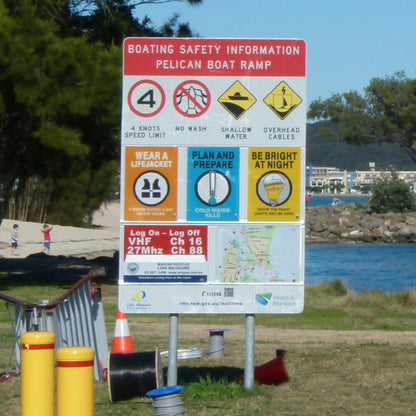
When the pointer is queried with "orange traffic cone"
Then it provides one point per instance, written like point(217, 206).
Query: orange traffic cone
point(122, 342)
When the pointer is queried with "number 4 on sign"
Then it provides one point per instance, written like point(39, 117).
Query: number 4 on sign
point(146, 98)
point(144, 101)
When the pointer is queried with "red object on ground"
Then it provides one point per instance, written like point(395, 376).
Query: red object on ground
point(272, 372)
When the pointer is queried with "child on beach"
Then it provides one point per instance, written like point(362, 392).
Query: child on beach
point(46, 230)
point(14, 239)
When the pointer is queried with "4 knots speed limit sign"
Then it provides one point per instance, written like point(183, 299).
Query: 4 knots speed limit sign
point(146, 98)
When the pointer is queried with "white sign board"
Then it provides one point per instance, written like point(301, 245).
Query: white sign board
point(213, 176)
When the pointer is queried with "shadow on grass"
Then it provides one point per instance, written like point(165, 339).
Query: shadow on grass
point(188, 375)
point(42, 270)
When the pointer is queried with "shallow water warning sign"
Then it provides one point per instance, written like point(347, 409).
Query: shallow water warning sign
point(237, 100)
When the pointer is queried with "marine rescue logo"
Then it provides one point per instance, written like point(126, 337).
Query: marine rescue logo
point(282, 100)
point(237, 100)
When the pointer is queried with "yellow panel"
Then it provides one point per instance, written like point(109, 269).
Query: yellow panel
point(274, 180)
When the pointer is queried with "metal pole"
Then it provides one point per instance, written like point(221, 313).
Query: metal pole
point(173, 350)
point(249, 364)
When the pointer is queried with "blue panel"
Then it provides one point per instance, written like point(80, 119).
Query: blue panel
point(213, 184)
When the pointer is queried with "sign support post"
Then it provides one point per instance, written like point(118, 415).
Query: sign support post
point(173, 350)
point(249, 358)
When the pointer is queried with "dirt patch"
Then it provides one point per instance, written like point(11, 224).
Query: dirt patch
point(284, 337)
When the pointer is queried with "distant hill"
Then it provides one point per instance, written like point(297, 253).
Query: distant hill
point(328, 151)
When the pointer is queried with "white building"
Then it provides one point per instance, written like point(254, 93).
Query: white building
point(330, 178)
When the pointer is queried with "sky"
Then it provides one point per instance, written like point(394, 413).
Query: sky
point(348, 42)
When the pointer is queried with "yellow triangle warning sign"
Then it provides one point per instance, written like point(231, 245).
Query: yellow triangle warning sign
point(282, 100)
point(237, 100)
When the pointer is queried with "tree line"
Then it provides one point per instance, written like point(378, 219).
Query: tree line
point(60, 92)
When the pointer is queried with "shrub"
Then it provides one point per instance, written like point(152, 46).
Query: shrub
point(391, 194)
point(338, 287)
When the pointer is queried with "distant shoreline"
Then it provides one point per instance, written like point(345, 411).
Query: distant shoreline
point(340, 195)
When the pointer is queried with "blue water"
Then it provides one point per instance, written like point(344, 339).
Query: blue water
point(327, 200)
point(386, 267)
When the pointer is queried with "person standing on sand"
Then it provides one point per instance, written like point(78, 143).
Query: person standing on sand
point(14, 239)
point(46, 230)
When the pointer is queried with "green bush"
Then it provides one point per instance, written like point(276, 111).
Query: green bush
point(336, 287)
point(391, 194)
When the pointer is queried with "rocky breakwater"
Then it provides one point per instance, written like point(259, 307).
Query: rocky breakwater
point(349, 223)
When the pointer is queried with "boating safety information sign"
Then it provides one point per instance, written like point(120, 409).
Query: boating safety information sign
point(213, 176)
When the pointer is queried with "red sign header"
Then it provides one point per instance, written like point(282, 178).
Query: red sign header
point(214, 57)
point(162, 240)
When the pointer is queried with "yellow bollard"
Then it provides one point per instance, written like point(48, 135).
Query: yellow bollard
point(75, 381)
point(37, 373)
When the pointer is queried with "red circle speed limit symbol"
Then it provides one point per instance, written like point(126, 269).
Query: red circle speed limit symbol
point(146, 98)
point(191, 98)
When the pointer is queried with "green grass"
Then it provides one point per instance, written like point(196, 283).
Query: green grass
point(336, 376)
point(331, 305)
point(212, 389)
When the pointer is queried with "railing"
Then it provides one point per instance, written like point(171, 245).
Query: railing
point(76, 318)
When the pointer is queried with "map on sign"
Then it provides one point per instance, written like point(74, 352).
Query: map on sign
point(254, 254)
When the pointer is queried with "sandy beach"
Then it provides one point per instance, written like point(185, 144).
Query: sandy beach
point(100, 240)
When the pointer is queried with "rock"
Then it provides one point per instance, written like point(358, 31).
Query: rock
point(378, 232)
point(348, 224)
point(411, 220)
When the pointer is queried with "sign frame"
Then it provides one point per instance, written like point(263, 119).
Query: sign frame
point(244, 97)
